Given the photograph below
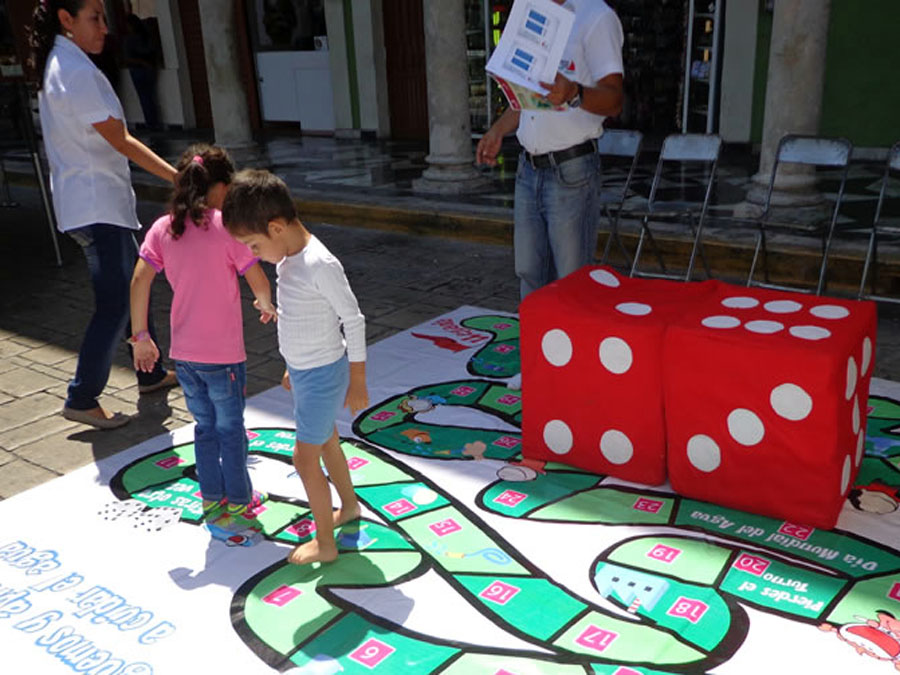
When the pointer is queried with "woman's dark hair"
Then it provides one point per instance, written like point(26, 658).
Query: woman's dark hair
point(201, 166)
point(44, 28)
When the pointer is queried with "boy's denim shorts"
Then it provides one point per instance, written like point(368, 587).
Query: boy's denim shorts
point(319, 395)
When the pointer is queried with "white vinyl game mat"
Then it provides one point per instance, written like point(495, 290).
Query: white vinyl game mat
point(466, 560)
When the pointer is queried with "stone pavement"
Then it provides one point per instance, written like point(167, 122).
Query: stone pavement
point(401, 278)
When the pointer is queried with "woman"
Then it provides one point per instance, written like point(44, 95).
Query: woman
point(88, 147)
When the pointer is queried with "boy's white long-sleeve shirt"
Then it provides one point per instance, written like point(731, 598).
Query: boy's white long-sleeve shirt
point(314, 302)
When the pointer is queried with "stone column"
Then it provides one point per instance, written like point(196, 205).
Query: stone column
point(451, 168)
point(793, 96)
point(231, 117)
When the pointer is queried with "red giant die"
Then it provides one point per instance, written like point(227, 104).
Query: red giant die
point(766, 400)
point(592, 349)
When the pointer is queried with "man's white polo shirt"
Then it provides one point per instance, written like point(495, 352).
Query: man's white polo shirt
point(90, 180)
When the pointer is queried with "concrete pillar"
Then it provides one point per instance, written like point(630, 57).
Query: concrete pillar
point(793, 96)
point(451, 168)
point(231, 117)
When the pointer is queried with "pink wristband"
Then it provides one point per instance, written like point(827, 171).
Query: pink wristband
point(141, 335)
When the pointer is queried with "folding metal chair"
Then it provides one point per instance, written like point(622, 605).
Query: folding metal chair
point(881, 229)
point(697, 149)
point(813, 151)
point(623, 144)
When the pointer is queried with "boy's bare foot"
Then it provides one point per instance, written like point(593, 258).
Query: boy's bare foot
point(311, 552)
point(344, 515)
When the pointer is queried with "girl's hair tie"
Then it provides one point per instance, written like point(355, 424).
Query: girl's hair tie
point(198, 159)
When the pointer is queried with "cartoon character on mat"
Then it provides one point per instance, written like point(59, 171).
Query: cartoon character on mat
point(415, 404)
point(876, 497)
point(879, 639)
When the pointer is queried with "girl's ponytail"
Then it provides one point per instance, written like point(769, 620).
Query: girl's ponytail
point(201, 166)
point(44, 28)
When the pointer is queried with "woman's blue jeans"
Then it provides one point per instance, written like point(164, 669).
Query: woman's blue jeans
point(110, 251)
point(555, 214)
point(215, 396)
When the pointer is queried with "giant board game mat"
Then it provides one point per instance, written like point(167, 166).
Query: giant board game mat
point(466, 560)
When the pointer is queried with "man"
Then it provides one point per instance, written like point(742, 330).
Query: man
point(558, 177)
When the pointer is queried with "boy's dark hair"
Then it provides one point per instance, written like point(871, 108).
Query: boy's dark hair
point(254, 198)
point(200, 167)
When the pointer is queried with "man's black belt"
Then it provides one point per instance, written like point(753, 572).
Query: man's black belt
point(548, 159)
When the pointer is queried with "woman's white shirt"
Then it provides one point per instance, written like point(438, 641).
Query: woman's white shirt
point(90, 179)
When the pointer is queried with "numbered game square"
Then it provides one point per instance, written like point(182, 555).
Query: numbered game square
point(499, 592)
point(371, 652)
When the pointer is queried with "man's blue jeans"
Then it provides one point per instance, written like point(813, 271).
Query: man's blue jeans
point(110, 251)
point(215, 396)
point(555, 212)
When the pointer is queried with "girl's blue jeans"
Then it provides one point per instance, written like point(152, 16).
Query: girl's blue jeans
point(555, 214)
point(110, 251)
point(215, 396)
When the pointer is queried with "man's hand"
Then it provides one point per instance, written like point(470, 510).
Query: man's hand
point(489, 147)
point(561, 91)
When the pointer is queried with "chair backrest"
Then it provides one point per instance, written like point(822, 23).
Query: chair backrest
point(892, 164)
point(812, 151)
point(691, 148)
point(620, 143)
point(697, 148)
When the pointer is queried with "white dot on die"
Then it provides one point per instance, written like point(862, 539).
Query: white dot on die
point(704, 453)
point(764, 327)
point(745, 426)
point(855, 414)
point(634, 308)
point(851, 378)
point(860, 446)
point(605, 278)
point(616, 446)
point(809, 332)
point(830, 312)
point(557, 347)
point(866, 355)
point(558, 436)
point(782, 306)
point(615, 355)
point(721, 321)
point(740, 302)
point(791, 402)
point(845, 475)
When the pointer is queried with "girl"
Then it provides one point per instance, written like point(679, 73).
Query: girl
point(88, 148)
point(202, 262)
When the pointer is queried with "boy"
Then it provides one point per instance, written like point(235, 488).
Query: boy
point(314, 303)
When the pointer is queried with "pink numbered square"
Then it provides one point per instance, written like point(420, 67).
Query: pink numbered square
point(303, 527)
point(648, 505)
point(251, 435)
point(503, 349)
point(751, 564)
point(383, 415)
point(282, 596)
point(688, 608)
point(894, 593)
point(596, 638)
point(507, 442)
point(664, 553)
point(796, 531)
point(510, 498)
point(356, 462)
point(463, 391)
point(399, 507)
point(169, 462)
point(499, 592)
point(371, 652)
point(509, 399)
point(444, 527)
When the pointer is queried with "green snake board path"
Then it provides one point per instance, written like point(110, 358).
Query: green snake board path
point(467, 559)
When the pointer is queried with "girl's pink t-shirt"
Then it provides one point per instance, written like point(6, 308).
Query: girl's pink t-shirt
point(202, 267)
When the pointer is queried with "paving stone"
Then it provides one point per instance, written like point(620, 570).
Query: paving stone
point(10, 347)
point(12, 439)
point(49, 354)
point(23, 381)
point(19, 475)
point(28, 409)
